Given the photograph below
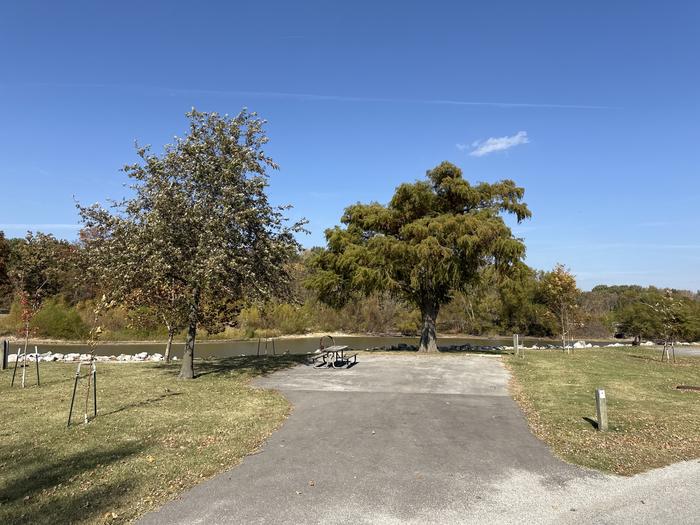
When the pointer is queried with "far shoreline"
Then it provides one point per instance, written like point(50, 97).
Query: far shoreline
point(311, 335)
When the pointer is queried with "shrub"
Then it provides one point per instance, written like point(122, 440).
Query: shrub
point(57, 320)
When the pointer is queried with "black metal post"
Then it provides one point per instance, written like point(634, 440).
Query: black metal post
point(72, 399)
point(14, 372)
point(36, 359)
point(5, 352)
point(94, 386)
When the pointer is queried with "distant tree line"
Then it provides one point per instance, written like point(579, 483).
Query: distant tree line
point(498, 305)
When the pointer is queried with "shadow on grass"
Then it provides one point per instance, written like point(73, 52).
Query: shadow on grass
point(494, 351)
point(592, 421)
point(33, 491)
point(651, 358)
point(252, 365)
point(142, 403)
point(444, 350)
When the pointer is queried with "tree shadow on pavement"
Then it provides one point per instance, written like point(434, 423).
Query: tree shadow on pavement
point(252, 365)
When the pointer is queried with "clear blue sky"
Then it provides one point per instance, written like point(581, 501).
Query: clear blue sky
point(594, 106)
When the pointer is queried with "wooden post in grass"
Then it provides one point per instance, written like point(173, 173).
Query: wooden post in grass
point(601, 409)
point(517, 349)
point(5, 353)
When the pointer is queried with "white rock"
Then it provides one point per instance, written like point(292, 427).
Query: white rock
point(58, 356)
point(71, 357)
point(580, 344)
point(589, 345)
point(141, 356)
point(647, 343)
point(175, 358)
point(102, 358)
point(156, 357)
point(124, 357)
point(12, 358)
point(614, 344)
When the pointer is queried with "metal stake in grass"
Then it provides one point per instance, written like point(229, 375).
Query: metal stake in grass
point(75, 388)
point(36, 360)
point(90, 390)
point(601, 408)
point(14, 371)
point(5, 353)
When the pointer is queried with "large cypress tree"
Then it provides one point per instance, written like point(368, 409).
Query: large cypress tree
point(432, 239)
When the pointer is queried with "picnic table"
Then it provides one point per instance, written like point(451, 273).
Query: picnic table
point(333, 356)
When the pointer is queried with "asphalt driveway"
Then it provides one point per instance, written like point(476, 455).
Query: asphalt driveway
point(420, 439)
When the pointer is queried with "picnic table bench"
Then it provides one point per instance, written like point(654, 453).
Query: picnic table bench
point(334, 356)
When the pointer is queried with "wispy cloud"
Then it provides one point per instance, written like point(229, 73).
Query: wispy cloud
point(175, 91)
point(47, 226)
point(492, 144)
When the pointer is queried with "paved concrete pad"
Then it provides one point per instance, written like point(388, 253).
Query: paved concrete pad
point(419, 439)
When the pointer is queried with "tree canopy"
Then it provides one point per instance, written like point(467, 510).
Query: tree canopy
point(433, 238)
point(199, 234)
point(561, 294)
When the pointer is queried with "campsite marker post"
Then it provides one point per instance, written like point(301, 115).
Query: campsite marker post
point(601, 409)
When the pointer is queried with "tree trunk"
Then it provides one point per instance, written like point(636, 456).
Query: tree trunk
point(428, 337)
point(187, 370)
point(169, 345)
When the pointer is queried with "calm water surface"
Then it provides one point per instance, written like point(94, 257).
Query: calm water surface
point(297, 345)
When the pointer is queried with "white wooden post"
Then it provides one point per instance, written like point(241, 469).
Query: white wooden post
point(517, 350)
point(601, 408)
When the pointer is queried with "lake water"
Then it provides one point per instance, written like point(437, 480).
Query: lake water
point(295, 345)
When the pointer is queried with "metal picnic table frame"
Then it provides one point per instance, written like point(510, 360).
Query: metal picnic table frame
point(334, 356)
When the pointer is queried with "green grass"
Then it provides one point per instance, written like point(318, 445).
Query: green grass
point(652, 424)
point(154, 437)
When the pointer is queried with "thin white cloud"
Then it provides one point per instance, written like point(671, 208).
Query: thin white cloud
point(461, 147)
point(48, 226)
point(177, 91)
point(492, 144)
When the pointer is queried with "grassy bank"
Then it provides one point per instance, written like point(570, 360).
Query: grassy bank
point(652, 424)
point(154, 437)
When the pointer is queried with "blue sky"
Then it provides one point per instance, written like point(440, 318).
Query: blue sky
point(591, 106)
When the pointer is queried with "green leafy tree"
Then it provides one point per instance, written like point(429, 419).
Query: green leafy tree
point(199, 234)
point(39, 268)
point(561, 295)
point(636, 319)
point(431, 240)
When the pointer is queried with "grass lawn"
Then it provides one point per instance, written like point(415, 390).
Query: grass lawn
point(652, 424)
point(154, 436)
